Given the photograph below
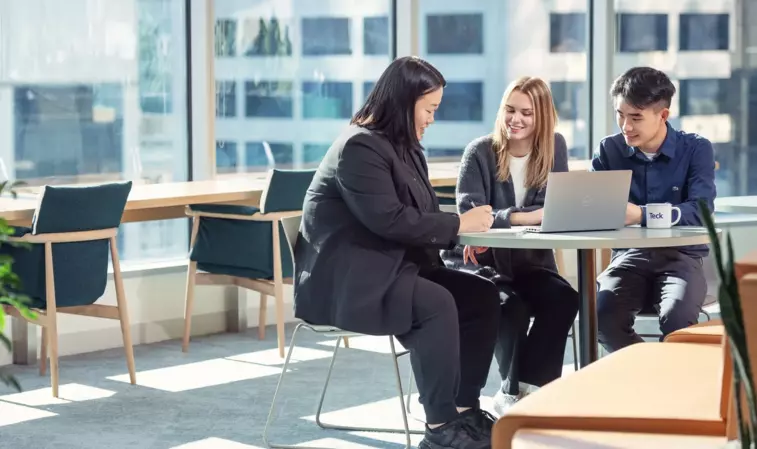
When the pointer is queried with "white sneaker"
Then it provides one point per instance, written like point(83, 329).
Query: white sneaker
point(501, 402)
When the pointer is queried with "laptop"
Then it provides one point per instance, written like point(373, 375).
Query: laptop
point(585, 201)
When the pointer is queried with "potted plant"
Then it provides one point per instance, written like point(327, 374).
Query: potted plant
point(733, 320)
point(9, 284)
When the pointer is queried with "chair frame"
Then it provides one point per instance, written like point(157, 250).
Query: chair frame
point(341, 335)
point(265, 287)
point(48, 318)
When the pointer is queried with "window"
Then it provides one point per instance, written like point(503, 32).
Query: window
point(226, 99)
point(462, 101)
point(110, 107)
point(367, 88)
point(227, 158)
point(225, 36)
point(703, 32)
point(299, 75)
point(268, 99)
point(568, 97)
point(455, 34)
point(327, 100)
point(717, 95)
point(326, 36)
point(703, 96)
point(312, 153)
point(260, 156)
point(442, 154)
point(567, 33)
point(376, 36)
point(266, 37)
point(642, 32)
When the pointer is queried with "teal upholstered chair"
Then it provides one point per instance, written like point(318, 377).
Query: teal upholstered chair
point(446, 195)
point(64, 269)
point(244, 246)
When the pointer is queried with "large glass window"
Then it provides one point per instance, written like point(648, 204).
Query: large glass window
point(302, 69)
point(642, 32)
point(482, 46)
point(454, 33)
point(96, 91)
point(716, 95)
point(704, 31)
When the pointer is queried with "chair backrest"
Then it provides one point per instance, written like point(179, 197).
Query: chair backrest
point(291, 227)
point(285, 190)
point(80, 208)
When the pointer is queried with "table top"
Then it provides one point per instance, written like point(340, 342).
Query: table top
point(578, 439)
point(628, 237)
point(737, 204)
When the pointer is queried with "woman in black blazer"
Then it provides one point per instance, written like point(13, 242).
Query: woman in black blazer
point(367, 259)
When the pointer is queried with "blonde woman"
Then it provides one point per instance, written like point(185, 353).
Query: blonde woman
point(508, 171)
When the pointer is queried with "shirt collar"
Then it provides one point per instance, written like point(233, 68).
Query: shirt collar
point(668, 147)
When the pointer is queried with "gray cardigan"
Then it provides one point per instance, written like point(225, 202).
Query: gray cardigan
point(477, 184)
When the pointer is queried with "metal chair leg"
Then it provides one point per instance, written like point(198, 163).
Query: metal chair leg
point(406, 430)
point(276, 393)
point(575, 347)
point(409, 390)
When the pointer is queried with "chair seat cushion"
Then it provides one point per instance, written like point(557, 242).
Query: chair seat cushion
point(646, 387)
point(709, 332)
point(239, 248)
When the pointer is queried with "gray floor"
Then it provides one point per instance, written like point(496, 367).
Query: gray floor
point(216, 396)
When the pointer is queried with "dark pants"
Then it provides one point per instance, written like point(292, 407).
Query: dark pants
point(535, 356)
point(451, 343)
point(664, 281)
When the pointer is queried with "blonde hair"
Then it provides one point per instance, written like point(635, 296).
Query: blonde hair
point(545, 118)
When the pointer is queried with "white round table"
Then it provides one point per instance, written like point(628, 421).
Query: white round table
point(585, 243)
point(737, 204)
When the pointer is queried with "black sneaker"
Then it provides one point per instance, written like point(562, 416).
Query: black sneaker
point(481, 420)
point(457, 434)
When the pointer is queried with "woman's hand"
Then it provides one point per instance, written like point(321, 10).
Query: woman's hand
point(469, 253)
point(532, 218)
point(478, 219)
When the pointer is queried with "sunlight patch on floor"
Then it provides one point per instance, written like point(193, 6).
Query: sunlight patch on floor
point(199, 375)
point(67, 393)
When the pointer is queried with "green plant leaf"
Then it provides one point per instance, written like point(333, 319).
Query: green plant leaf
point(5, 342)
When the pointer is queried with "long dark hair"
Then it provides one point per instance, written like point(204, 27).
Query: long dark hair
point(390, 107)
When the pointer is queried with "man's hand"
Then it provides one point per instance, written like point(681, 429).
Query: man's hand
point(469, 253)
point(633, 214)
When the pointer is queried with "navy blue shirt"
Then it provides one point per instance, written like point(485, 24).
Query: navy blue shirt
point(682, 173)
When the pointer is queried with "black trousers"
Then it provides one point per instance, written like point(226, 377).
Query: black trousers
point(451, 342)
point(535, 356)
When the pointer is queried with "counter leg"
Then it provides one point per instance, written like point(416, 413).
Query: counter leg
point(24, 338)
point(587, 311)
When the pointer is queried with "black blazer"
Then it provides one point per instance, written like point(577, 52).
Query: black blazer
point(363, 211)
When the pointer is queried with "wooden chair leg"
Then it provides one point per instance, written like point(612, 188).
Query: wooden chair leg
point(123, 311)
point(262, 310)
point(52, 317)
point(43, 352)
point(189, 295)
point(278, 288)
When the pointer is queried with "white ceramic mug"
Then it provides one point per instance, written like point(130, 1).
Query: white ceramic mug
point(660, 215)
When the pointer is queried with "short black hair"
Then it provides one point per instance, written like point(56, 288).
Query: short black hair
point(390, 107)
point(642, 87)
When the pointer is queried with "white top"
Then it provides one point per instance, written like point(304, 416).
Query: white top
point(650, 156)
point(518, 167)
point(628, 237)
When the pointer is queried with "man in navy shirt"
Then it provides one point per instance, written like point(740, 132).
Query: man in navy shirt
point(669, 166)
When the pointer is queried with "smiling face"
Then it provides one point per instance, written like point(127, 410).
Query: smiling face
point(519, 116)
point(640, 127)
point(425, 108)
